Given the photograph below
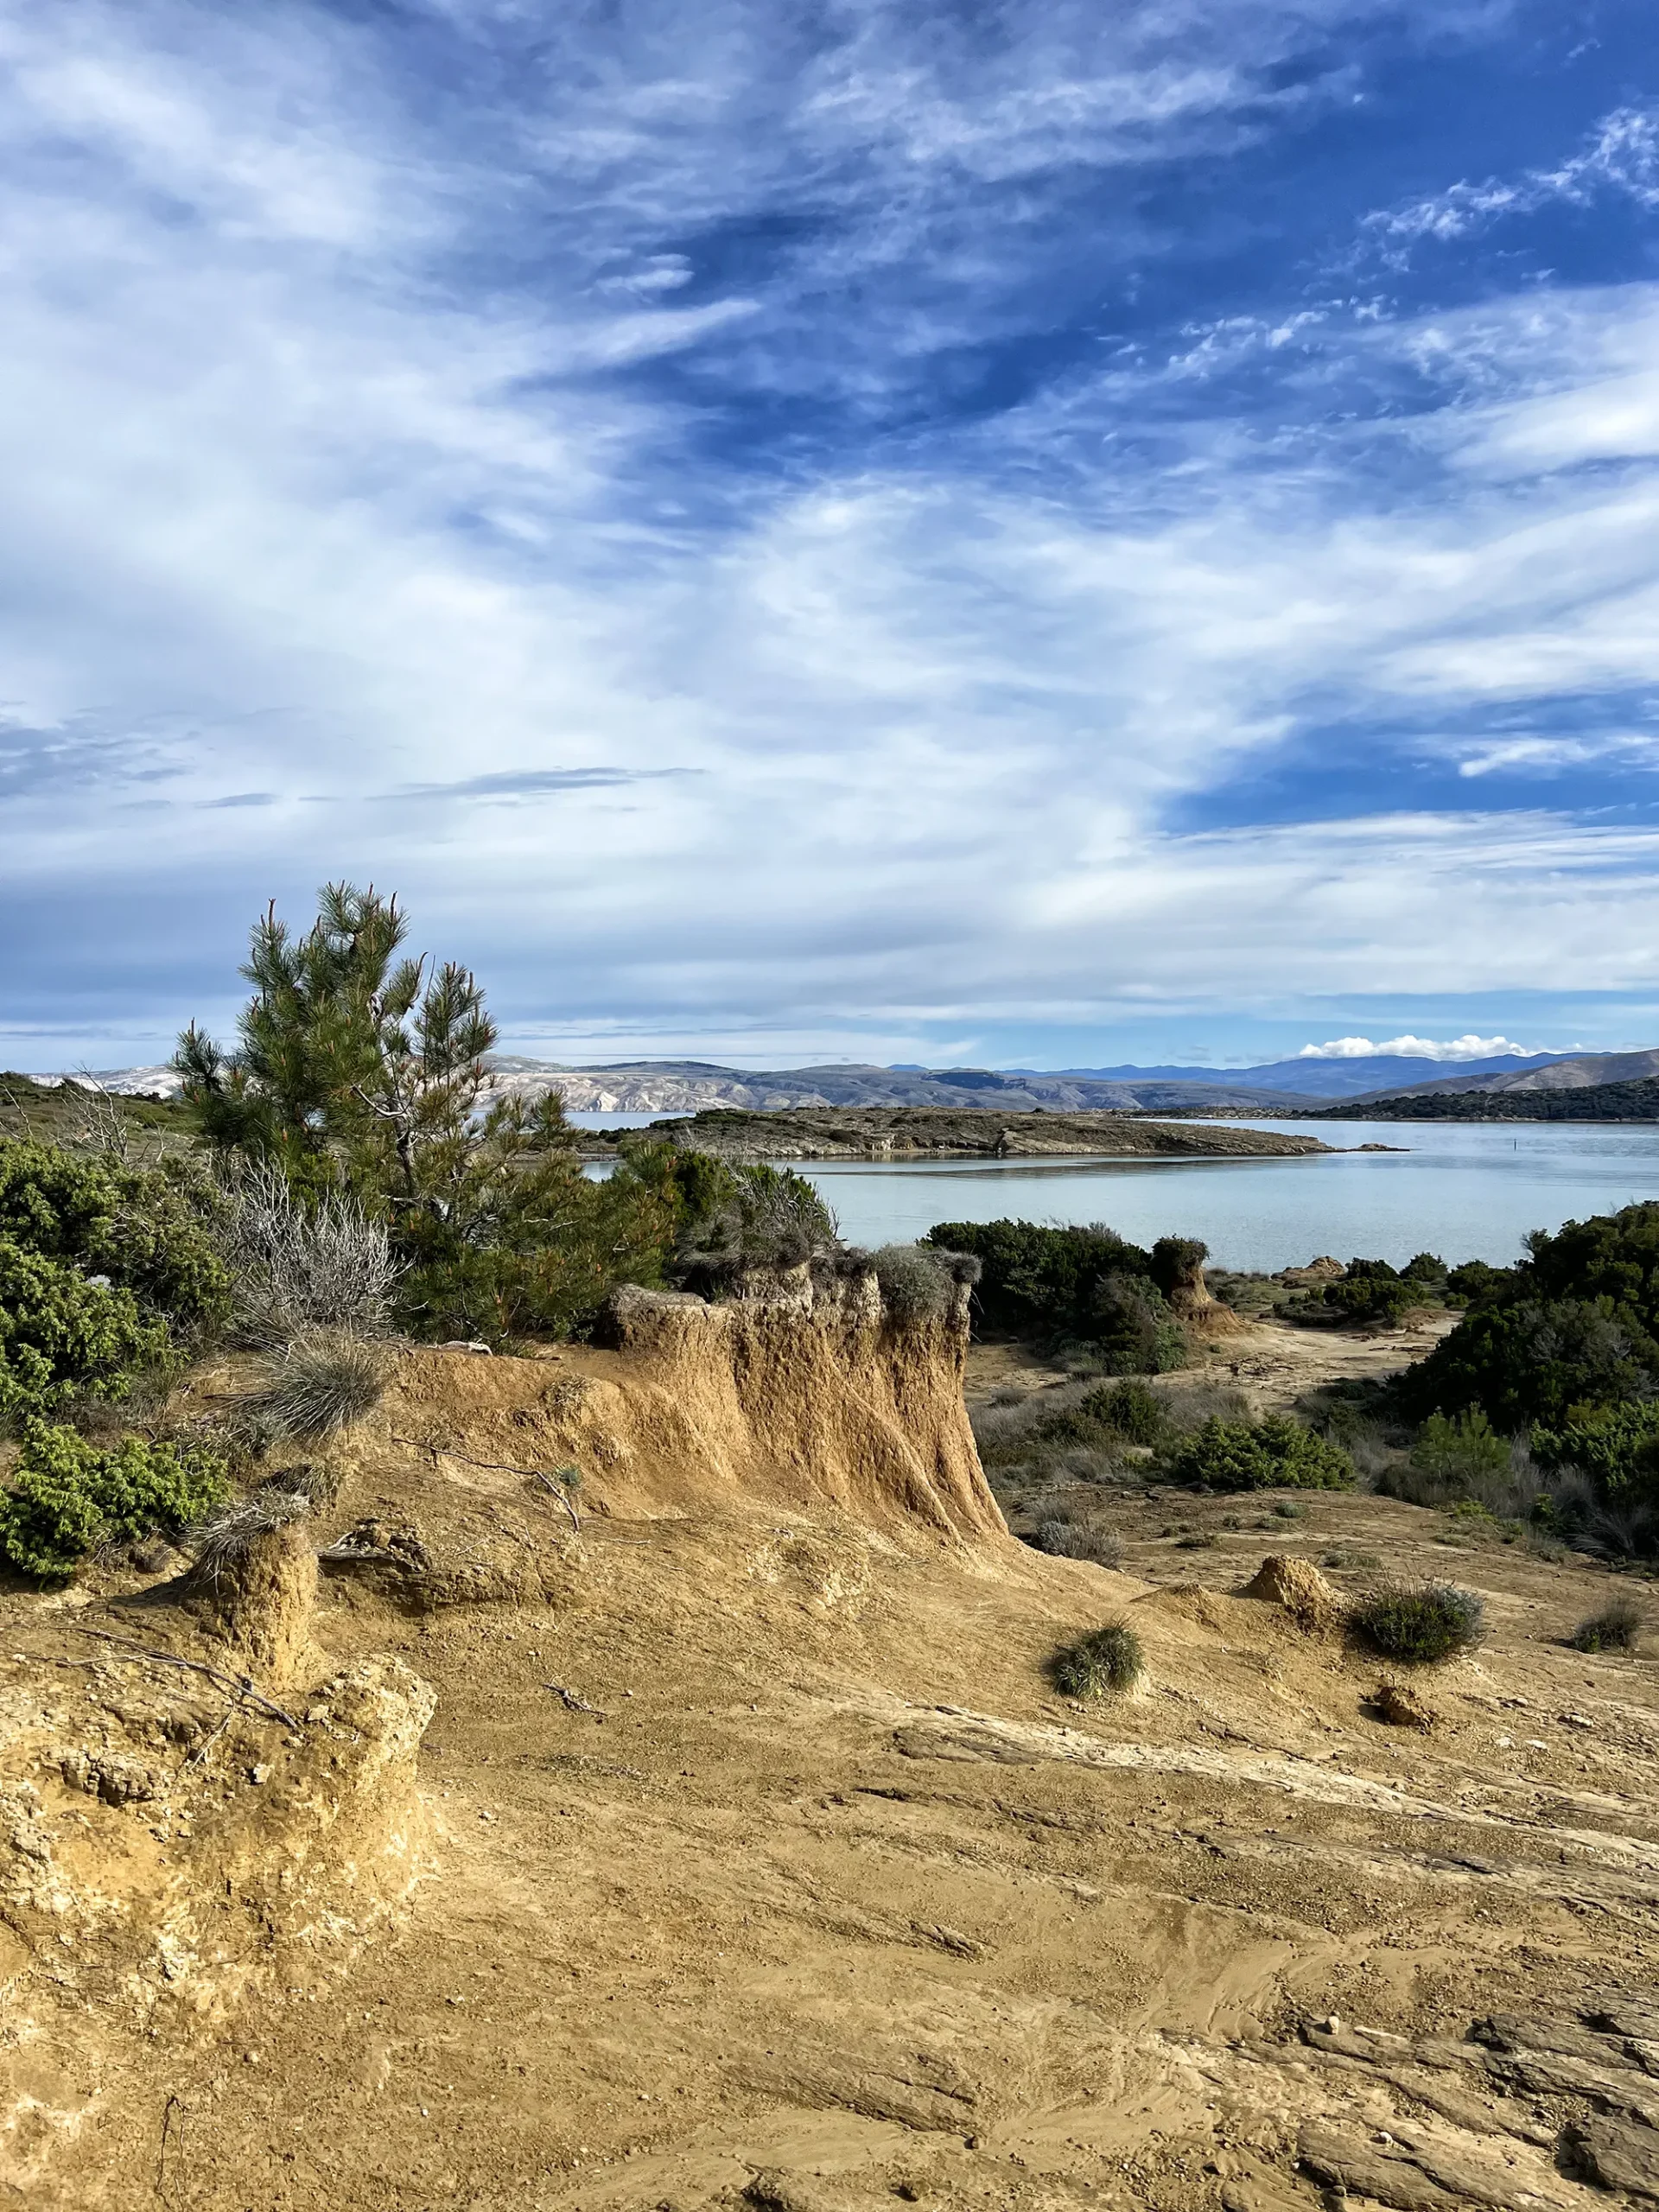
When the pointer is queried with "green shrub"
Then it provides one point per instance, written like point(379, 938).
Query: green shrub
point(1574, 1327)
point(1617, 1446)
point(1617, 1627)
point(148, 1231)
point(1277, 1453)
point(1128, 1409)
point(63, 1336)
point(96, 1260)
point(1419, 1626)
point(1107, 1659)
point(1375, 1292)
point(1113, 1415)
point(1461, 1454)
point(68, 1497)
point(1477, 1282)
point(1085, 1289)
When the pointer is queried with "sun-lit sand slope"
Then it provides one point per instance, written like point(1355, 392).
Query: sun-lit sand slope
point(749, 1858)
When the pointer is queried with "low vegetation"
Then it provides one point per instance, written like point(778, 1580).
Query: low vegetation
point(1107, 1661)
point(920, 1282)
point(1271, 1454)
point(1064, 1535)
point(68, 1498)
point(1372, 1291)
point(1087, 1293)
point(317, 1385)
point(106, 1273)
point(1618, 1626)
point(1418, 1625)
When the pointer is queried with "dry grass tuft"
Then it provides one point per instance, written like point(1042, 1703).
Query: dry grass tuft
point(301, 1265)
point(256, 1566)
point(1617, 1627)
point(1109, 1660)
point(321, 1383)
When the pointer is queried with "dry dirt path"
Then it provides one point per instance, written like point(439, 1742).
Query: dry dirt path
point(811, 1872)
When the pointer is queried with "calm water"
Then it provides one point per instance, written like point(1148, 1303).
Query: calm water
point(1467, 1191)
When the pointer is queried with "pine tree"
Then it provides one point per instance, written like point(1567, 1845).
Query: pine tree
point(359, 1069)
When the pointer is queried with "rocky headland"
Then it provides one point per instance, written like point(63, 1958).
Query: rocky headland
point(910, 1132)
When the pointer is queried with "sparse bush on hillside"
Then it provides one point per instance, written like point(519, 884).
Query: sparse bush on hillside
point(1243, 1455)
point(1419, 1626)
point(1617, 1627)
point(299, 1263)
point(68, 1498)
point(318, 1385)
point(920, 1282)
point(1109, 1659)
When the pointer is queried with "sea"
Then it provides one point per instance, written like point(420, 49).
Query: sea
point(1463, 1190)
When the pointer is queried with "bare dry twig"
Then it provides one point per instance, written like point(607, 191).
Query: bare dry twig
point(501, 1467)
point(238, 1686)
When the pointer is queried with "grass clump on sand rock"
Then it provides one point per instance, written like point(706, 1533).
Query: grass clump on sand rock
point(1617, 1627)
point(1108, 1661)
point(1419, 1626)
point(918, 1283)
point(320, 1384)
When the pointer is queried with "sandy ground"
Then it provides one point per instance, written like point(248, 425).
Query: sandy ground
point(1273, 1363)
point(765, 1865)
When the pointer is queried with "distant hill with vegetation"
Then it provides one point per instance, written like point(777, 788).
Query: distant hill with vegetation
point(1636, 1100)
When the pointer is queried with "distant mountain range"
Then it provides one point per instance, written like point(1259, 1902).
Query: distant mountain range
point(1337, 1079)
point(693, 1086)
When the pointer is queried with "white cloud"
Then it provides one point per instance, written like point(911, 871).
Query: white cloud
point(1621, 156)
point(331, 519)
point(1417, 1048)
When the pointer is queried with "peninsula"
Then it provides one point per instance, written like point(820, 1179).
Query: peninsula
point(919, 1132)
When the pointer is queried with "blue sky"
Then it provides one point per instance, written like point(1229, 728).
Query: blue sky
point(1047, 534)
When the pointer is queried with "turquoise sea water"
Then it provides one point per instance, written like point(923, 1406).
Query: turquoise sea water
point(1467, 1191)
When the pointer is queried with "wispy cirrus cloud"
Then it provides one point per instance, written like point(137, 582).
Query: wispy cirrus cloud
point(923, 446)
point(1621, 156)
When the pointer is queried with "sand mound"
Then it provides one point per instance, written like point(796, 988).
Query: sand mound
point(1403, 1707)
point(1316, 1606)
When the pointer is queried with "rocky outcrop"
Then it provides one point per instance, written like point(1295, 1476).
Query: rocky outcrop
point(800, 1392)
point(912, 1132)
point(167, 1833)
